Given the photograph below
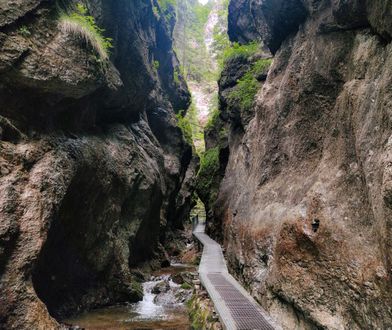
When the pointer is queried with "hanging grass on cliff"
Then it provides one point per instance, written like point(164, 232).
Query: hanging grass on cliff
point(84, 27)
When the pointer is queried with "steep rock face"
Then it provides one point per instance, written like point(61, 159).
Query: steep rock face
point(305, 204)
point(267, 20)
point(94, 169)
point(240, 74)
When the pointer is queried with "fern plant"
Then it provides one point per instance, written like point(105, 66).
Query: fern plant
point(84, 27)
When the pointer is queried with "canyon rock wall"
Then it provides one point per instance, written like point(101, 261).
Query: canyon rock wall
point(305, 204)
point(94, 170)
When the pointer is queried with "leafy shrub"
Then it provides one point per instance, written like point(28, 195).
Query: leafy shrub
point(156, 65)
point(83, 26)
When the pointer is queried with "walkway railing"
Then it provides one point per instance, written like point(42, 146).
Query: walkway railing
point(237, 310)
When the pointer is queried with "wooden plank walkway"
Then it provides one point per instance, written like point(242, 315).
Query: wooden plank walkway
point(237, 310)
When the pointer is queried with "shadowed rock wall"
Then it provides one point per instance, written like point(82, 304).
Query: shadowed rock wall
point(94, 170)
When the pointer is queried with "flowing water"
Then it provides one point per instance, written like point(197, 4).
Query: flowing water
point(150, 313)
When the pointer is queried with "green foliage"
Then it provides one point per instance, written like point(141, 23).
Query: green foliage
point(209, 168)
point(155, 10)
point(168, 8)
point(261, 65)
point(189, 40)
point(237, 50)
point(214, 116)
point(197, 130)
point(184, 124)
point(244, 92)
point(200, 314)
point(166, 4)
point(247, 86)
point(176, 76)
point(83, 26)
point(156, 65)
point(24, 31)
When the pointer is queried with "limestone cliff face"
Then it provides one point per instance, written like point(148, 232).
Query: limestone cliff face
point(305, 205)
point(94, 170)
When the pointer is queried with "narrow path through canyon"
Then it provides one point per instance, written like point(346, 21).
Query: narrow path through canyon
point(236, 308)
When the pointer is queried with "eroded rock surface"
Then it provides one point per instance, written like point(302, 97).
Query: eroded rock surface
point(305, 202)
point(91, 158)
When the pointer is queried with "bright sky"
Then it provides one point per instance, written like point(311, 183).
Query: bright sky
point(203, 1)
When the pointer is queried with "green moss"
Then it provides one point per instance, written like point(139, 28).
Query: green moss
point(136, 290)
point(209, 168)
point(156, 65)
point(184, 124)
point(247, 86)
point(83, 26)
point(244, 92)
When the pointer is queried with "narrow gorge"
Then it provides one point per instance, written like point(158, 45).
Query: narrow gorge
point(122, 122)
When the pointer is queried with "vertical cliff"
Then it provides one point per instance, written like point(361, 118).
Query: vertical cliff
point(305, 200)
point(94, 170)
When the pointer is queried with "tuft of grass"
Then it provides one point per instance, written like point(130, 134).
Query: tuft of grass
point(84, 27)
point(156, 65)
point(24, 31)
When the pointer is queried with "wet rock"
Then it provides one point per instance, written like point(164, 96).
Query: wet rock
point(178, 279)
point(175, 295)
point(161, 287)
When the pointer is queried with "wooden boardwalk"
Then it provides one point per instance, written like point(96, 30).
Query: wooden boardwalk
point(237, 310)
